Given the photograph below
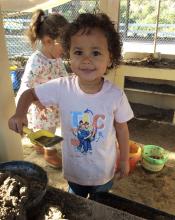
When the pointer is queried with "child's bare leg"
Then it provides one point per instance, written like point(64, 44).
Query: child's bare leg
point(51, 154)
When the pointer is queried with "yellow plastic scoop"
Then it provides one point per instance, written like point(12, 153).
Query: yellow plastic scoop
point(43, 138)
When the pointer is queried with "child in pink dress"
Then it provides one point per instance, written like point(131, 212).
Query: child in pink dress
point(43, 65)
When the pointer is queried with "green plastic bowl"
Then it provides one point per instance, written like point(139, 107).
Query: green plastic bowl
point(154, 154)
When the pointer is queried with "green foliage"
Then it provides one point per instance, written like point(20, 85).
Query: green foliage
point(145, 12)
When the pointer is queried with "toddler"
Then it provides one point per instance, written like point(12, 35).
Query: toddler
point(93, 111)
point(43, 65)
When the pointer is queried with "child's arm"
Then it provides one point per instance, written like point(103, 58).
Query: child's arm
point(122, 134)
point(19, 119)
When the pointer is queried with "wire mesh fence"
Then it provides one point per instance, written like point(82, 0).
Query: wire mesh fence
point(137, 24)
point(139, 20)
point(16, 24)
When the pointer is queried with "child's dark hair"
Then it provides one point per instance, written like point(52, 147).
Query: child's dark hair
point(52, 25)
point(88, 21)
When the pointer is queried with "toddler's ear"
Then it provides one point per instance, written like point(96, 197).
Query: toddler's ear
point(109, 64)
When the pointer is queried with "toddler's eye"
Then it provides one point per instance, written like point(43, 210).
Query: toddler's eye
point(96, 53)
point(78, 52)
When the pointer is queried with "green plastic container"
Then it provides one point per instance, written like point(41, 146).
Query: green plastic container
point(154, 154)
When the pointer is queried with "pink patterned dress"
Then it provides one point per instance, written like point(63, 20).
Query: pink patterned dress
point(39, 69)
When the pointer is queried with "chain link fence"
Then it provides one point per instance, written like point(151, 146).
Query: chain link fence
point(16, 23)
point(139, 20)
point(137, 23)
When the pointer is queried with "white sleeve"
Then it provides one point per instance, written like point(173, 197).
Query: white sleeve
point(49, 93)
point(123, 112)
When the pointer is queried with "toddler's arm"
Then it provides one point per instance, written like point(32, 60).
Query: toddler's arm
point(19, 119)
point(122, 134)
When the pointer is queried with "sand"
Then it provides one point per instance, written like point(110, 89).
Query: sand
point(153, 189)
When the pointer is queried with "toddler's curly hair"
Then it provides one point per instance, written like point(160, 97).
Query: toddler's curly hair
point(88, 21)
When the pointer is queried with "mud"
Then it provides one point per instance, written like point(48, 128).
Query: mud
point(16, 194)
point(13, 195)
point(151, 62)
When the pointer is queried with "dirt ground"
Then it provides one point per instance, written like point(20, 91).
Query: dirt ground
point(153, 189)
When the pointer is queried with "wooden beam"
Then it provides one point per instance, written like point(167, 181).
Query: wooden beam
point(112, 9)
point(10, 142)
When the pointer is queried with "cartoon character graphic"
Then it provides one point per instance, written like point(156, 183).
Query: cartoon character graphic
point(85, 131)
point(87, 134)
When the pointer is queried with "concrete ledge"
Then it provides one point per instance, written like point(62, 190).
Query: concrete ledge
point(142, 72)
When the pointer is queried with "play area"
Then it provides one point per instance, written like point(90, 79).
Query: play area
point(150, 183)
point(31, 187)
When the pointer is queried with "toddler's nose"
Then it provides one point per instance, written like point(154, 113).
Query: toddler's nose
point(86, 59)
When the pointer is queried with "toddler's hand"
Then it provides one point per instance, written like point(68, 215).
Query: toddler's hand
point(16, 123)
point(123, 169)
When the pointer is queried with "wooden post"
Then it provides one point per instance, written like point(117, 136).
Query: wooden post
point(112, 9)
point(157, 24)
point(10, 142)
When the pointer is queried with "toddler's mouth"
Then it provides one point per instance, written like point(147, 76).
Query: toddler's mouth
point(87, 70)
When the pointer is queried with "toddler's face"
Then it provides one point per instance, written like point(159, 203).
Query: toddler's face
point(56, 49)
point(53, 48)
point(89, 55)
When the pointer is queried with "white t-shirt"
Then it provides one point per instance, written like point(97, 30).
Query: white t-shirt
point(87, 123)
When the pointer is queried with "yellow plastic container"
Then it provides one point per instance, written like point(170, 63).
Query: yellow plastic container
point(134, 155)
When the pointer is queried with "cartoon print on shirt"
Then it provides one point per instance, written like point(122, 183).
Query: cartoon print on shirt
point(85, 127)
